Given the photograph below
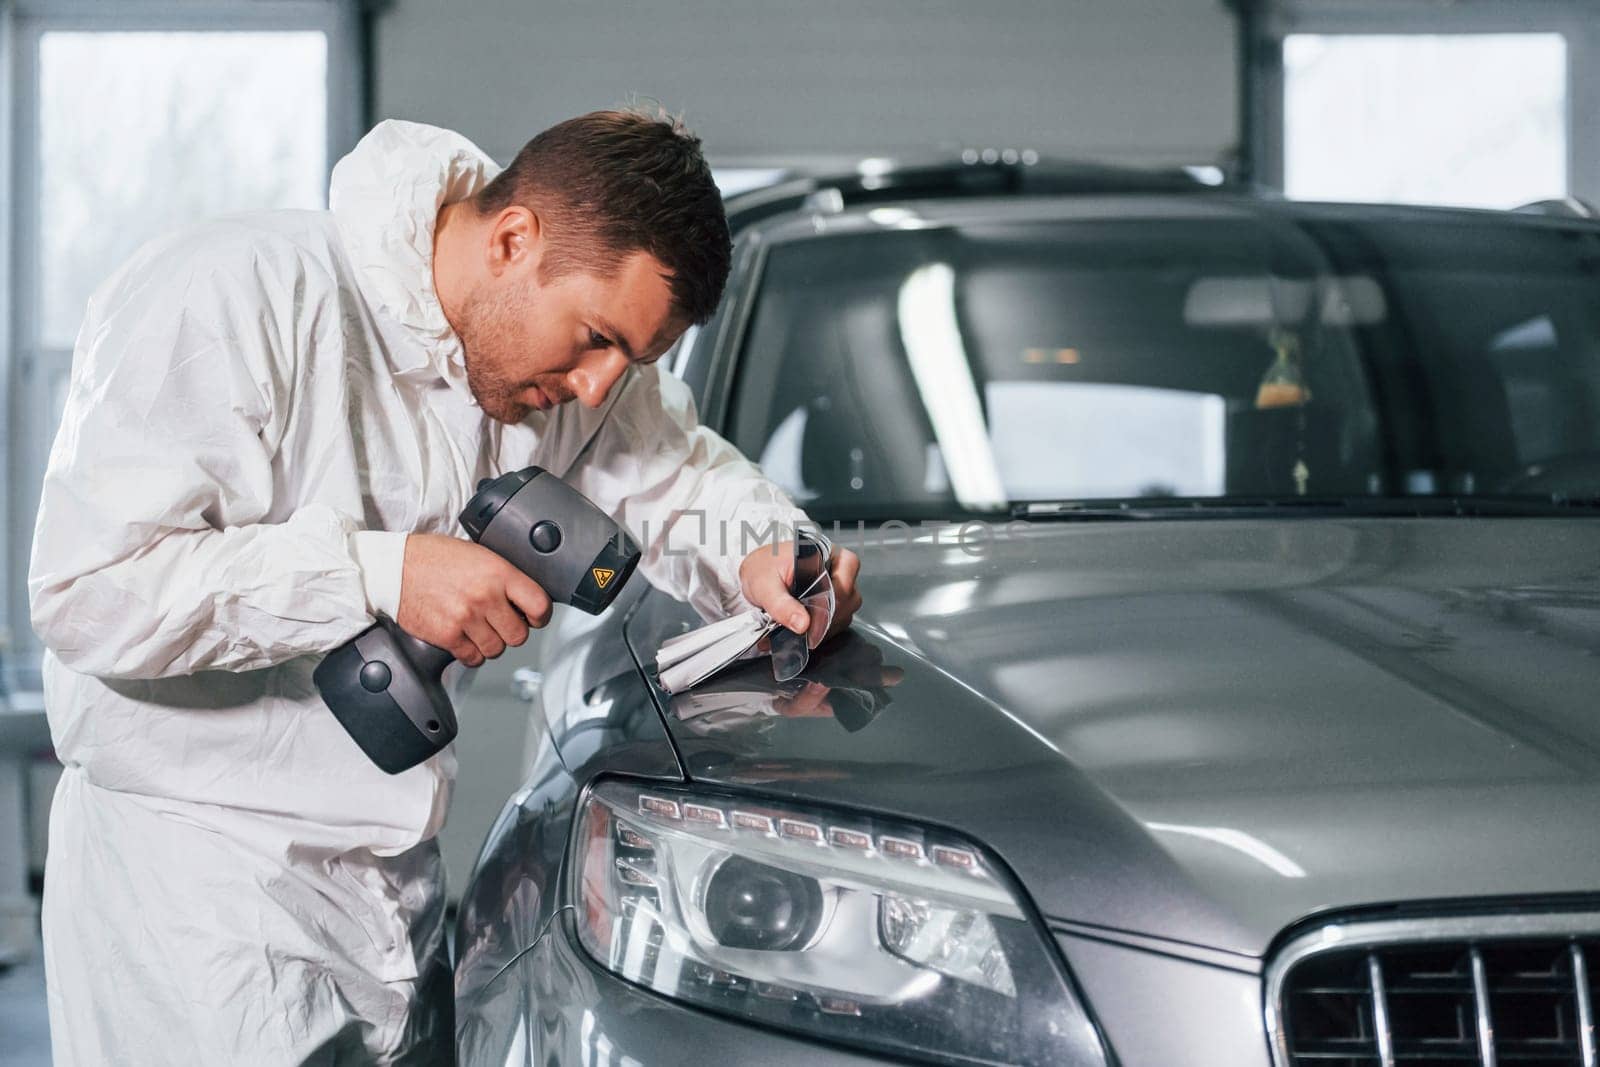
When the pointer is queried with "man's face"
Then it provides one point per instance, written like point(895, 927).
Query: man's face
point(533, 343)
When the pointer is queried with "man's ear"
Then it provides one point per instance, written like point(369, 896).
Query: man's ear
point(513, 240)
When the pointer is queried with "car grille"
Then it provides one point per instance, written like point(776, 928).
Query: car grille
point(1457, 992)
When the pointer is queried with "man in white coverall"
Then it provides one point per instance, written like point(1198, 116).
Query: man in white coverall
point(273, 422)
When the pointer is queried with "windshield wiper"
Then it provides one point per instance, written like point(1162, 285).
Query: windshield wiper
point(1135, 508)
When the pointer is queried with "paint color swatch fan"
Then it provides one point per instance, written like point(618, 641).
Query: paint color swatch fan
point(689, 659)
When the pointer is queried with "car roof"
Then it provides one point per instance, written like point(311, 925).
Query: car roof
point(884, 195)
point(877, 181)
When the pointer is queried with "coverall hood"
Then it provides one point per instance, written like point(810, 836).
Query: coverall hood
point(385, 197)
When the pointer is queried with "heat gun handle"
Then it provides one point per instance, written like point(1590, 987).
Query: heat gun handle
point(429, 660)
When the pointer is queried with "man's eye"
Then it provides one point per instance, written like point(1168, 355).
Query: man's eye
point(598, 340)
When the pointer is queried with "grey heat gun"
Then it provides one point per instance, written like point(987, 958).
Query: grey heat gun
point(384, 684)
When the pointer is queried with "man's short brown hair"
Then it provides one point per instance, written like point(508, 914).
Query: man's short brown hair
point(611, 183)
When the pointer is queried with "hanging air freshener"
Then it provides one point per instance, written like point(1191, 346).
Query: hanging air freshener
point(1284, 384)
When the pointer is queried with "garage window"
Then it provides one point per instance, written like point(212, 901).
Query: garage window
point(130, 121)
point(1474, 120)
point(1470, 104)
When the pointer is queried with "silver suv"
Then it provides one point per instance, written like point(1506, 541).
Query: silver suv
point(1226, 690)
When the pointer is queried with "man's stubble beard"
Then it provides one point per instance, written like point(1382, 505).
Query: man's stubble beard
point(479, 335)
point(493, 393)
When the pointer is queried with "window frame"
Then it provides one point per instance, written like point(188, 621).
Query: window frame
point(1268, 22)
point(28, 367)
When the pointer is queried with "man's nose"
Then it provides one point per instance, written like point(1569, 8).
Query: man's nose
point(592, 380)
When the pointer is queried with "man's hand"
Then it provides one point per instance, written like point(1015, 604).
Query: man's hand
point(765, 575)
point(465, 599)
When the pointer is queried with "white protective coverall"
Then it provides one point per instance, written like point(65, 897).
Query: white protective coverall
point(261, 408)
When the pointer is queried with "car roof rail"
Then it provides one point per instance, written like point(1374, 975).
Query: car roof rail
point(1565, 207)
point(970, 175)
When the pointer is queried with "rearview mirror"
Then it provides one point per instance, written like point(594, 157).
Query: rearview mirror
point(1352, 300)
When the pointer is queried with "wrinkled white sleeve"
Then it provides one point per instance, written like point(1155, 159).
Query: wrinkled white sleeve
point(152, 555)
point(694, 504)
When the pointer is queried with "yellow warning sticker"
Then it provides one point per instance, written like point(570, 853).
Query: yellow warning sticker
point(603, 576)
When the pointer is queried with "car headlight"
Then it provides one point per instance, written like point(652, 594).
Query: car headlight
point(851, 928)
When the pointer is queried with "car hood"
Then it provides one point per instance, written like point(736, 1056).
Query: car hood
point(1203, 731)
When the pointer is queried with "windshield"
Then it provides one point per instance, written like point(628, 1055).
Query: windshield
point(910, 373)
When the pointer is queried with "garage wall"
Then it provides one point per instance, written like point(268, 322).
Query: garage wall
point(1134, 80)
